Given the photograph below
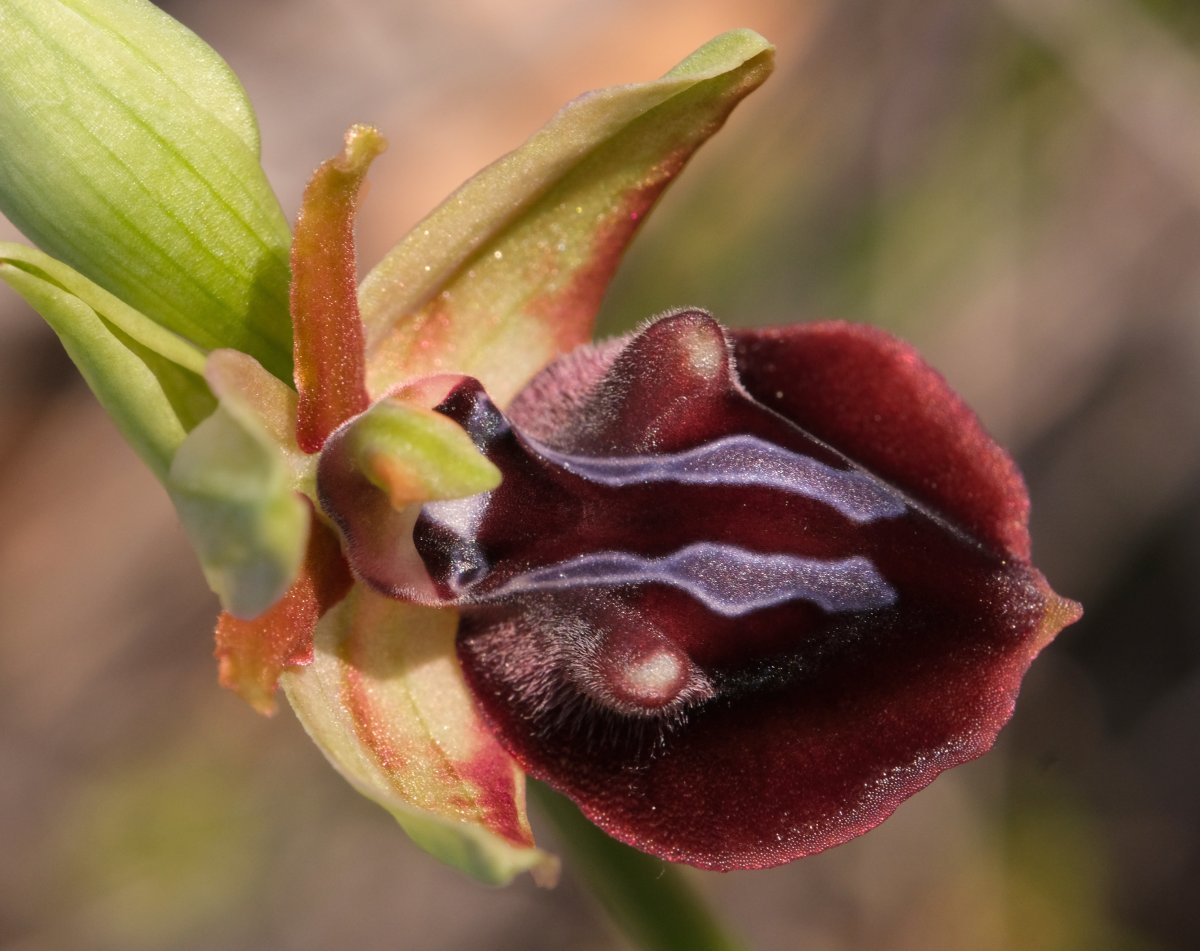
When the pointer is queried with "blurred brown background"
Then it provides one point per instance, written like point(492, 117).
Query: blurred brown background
point(1014, 185)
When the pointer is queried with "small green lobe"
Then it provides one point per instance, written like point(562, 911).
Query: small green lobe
point(416, 454)
point(234, 485)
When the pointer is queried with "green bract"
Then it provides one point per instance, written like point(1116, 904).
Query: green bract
point(148, 378)
point(128, 151)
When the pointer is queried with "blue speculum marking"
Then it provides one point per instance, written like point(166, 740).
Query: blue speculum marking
point(725, 578)
point(741, 460)
point(728, 579)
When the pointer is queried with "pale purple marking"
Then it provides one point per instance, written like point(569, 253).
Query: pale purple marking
point(741, 460)
point(462, 516)
point(729, 580)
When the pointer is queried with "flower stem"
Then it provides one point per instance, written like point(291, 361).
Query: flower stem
point(650, 900)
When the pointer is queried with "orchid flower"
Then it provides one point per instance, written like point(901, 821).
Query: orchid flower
point(736, 593)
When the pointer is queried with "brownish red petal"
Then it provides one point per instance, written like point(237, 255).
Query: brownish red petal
point(756, 777)
point(873, 397)
point(736, 629)
point(252, 654)
point(328, 337)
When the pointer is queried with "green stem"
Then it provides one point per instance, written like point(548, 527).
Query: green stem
point(650, 900)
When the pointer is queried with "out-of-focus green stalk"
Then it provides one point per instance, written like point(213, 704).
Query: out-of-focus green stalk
point(651, 901)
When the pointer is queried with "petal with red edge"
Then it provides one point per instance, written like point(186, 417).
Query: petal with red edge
point(509, 271)
point(385, 701)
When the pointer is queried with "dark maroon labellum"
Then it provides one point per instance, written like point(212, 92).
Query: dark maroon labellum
point(733, 634)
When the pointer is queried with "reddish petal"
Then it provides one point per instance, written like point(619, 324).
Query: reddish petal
point(653, 391)
point(330, 348)
point(252, 654)
point(876, 400)
point(867, 715)
point(727, 640)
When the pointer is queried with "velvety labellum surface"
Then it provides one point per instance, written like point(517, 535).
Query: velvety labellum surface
point(729, 642)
